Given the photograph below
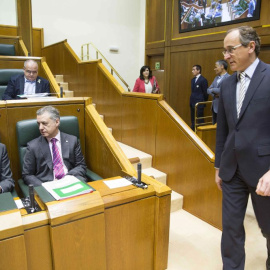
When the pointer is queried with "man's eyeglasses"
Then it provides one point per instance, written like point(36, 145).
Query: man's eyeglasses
point(31, 72)
point(231, 49)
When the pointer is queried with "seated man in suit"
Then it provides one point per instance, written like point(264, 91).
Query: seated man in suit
point(54, 154)
point(28, 84)
point(6, 181)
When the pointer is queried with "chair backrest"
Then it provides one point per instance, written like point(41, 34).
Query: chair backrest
point(28, 130)
point(5, 75)
point(7, 49)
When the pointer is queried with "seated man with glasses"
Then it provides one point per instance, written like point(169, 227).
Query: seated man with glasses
point(28, 83)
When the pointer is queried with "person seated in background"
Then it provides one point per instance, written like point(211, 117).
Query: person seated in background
point(146, 83)
point(214, 89)
point(54, 154)
point(6, 182)
point(28, 83)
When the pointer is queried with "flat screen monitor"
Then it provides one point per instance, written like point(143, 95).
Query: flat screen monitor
point(201, 14)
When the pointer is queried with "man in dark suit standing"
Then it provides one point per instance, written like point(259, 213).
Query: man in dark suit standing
point(6, 181)
point(214, 89)
point(54, 154)
point(243, 144)
point(28, 84)
point(199, 87)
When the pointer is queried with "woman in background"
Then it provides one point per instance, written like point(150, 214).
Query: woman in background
point(146, 83)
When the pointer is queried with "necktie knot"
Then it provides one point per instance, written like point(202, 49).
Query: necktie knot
point(242, 76)
point(53, 140)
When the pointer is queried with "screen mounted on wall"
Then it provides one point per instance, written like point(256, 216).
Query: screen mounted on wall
point(201, 14)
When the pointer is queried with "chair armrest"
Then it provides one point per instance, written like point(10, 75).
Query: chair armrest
point(91, 176)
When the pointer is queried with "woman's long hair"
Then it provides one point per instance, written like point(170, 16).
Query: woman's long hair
point(143, 69)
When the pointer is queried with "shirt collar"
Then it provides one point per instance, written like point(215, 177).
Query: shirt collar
point(251, 69)
point(58, 137)
point(28, 81)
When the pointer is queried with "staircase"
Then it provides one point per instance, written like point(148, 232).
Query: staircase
point(136, 156)
point(60, 80)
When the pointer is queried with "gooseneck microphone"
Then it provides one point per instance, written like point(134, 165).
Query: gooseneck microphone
point(139, 172)
point(32, 198)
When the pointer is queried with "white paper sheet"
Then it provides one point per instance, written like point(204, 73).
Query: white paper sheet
point(121, 182)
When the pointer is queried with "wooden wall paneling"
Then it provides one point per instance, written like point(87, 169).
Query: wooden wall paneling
point(155, 23)
point(8, 30)
point(24, 15)
point(109, 100)
point(38, 41)
point(69, 250)
point(139, 117)
point(159, 74)
point(38, 248)
point(188, 171)
point(3, 124)
point(87, 81)
point(98, 153)
point(134, 237)
point(167, 74)
point(181, 75)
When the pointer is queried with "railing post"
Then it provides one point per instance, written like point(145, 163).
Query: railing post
point(82, 53)
point(97, 54)
point(111, 71)
point(87, 51)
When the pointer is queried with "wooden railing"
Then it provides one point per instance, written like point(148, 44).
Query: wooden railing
point(148, 123)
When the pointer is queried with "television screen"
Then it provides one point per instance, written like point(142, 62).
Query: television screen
point(201, 14)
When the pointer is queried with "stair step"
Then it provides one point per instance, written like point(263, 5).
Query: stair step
point(102, 117)
point(158, 175)
point(64, 85)
point(135, 156)
point(176, 201)
point(68, 93)
point(59, 78)
point(110, 129)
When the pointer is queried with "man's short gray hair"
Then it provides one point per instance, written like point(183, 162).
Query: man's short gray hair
point(247, 34)
point(30, 61)
point(54, 113)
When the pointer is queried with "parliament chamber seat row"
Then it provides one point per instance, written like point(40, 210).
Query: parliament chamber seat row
point(7, 49)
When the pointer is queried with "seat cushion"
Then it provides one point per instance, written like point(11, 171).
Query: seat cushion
point(7, 49)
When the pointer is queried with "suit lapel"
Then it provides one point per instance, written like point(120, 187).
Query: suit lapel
point(45, 150)
point(38, 85)
point(64, 147)
point(21, 89)
point(253, 86)
point(232, 89)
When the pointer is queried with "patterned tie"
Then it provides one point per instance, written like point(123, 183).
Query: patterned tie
point(242, 92)
point(58, 166)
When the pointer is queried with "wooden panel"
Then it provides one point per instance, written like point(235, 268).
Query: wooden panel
point(37, 34)
point(180, 83)
point(130, 246)
point(3, 123)
point(139, 123)
point(13, 41)
point(24, 14)
point(155, 22)
point(8, 30)
point(10, 248)
point(188, 172)
point(97, 152)
point(162, 225)
point(159, 74)
point(208, 136)
point(38, 248)
point(82, 242)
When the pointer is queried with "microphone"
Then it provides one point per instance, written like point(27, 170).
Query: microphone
point(32, 198)
point(139, 172)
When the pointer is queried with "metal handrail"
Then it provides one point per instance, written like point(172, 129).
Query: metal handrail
point(196, 124)
point(97, 53)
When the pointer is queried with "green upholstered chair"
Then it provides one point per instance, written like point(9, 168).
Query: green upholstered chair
point(7, 49)
point(5, 75)
point(28, 130)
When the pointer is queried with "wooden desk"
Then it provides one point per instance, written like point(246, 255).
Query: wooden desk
point(122, 228)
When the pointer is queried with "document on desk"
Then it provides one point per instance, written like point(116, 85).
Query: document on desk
point(67, 187)
point(120, 182)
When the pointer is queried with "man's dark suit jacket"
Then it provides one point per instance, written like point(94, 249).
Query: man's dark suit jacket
point(6, 181)
point(38, 165)
point(16, 87)
point(244, 142)
point(198, 91)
